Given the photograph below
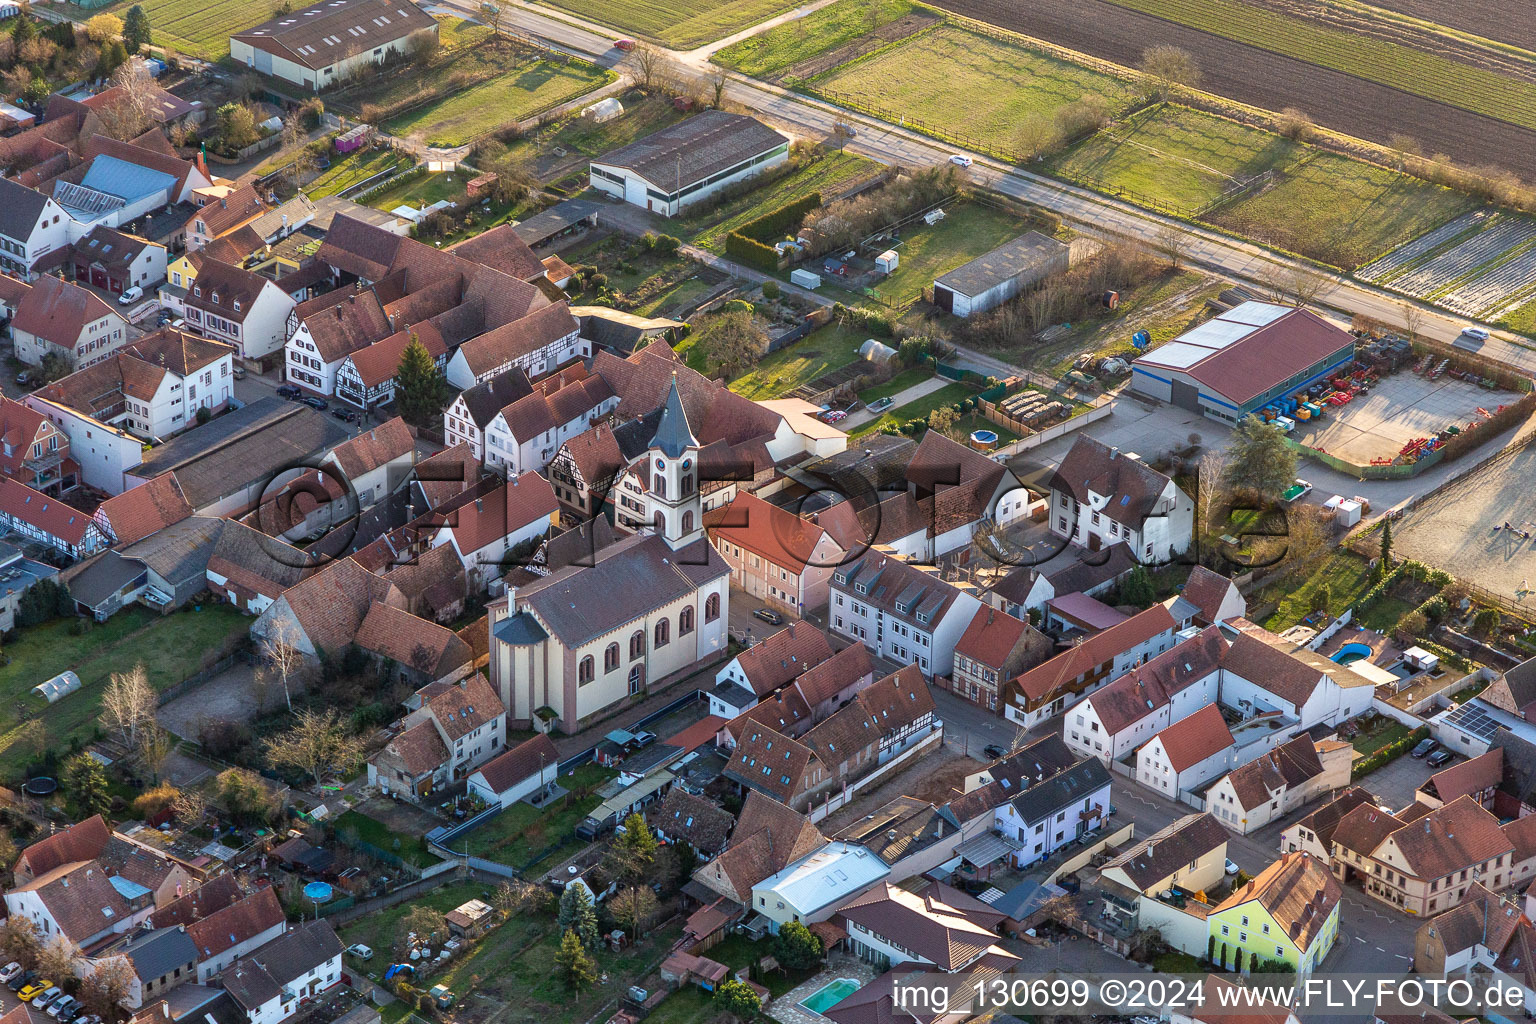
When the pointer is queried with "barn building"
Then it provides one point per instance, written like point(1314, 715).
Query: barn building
point(689, 161)
point(326, 43)
point(1237, 363)
point(989, 281)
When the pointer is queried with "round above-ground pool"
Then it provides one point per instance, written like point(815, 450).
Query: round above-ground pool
point(1351, 653)
point(985, 440)
point(830, 994)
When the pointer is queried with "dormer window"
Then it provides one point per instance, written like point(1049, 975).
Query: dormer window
point(922, 616)
point(861, 588)
point(237, 305)
point(901, 606)
point(197, 290)
point(840, 577)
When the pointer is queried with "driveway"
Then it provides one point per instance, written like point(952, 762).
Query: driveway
point(1395, 782)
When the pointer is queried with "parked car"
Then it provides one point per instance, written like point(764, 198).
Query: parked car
point(995, 751)
point(1232, 867)
point(21, 981)
point(773, 618)
point(644, 739)
point(288, 391)
point(60, 1006)
point(130, 296)
point(318, 404)
point(239, 373)
point(73, 1014)
point(34, 989)
point(1426, 747)
point(165, 317)
point(882, 404)
point(23, 378)
point(360, 951)
point(1439, 757)
point(1476, 333)
point(346, 415)
point(960, 160)
point(45, 998)
point(10, 971)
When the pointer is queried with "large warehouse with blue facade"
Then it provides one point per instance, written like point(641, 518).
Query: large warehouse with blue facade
point(1244, 359)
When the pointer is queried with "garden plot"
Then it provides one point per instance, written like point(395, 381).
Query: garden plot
point(1476, 274)
point(1493, 290)
point(1410, 254)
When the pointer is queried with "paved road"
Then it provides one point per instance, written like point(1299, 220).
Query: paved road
point(1091, 213)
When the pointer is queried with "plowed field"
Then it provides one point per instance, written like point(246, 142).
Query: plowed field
point(1509, 21)
point(1264, 79)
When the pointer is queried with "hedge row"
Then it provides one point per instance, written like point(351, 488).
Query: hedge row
point(1416, 570)
point(1391, 752)
point(871, 320)
point(751, 252)
point(774, 224)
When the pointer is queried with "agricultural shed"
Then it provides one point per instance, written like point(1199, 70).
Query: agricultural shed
point(1240, 361)
point(994, 278)
point(689, 161)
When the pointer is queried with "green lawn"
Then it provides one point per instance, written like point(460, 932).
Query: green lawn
point(1347, 576)
point(677, 24)
point(968, 230)
point(819, 352)
point(420, 191)
point(831, 175)
point(200, 28)
point(1391, 734)
point(413, 849)
point(897, 384)
point(970, 87)
point(347, 171)
point(685, 292)
point(1521, 319)
point(521, 831)
point(170, 647)
point(527, 87)
point(949, 394)
point(592, 138)
point(786, 45)
point(377, 930)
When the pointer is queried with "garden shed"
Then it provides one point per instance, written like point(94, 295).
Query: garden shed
point(887, 261)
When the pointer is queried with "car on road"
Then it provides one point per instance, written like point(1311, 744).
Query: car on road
point(882, 404)
point(960, 160)
point(1476, 333)
point(1426, 747)
point(846, 129)
point(1231, 867)
point(624, 45)
point(317, 404)
point(1439, 758)
point(34, 989)
point(130, 296)
point(239, 373)
point(995, 751)
point(288, 391)
point(773, 618)
point(10, 971)
point(360, 951)
point(346, 415)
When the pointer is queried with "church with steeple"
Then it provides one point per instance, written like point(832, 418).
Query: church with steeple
point(629, 619)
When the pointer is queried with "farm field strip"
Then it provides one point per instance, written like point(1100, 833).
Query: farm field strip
point(1492, 289)
point(1386, 63)
point(786, 45)
point(198, 27)
point(459, 117)
point(679, 24)
point(1444, 270)
point(1421, 249)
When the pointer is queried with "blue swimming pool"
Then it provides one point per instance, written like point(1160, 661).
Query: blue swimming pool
point(830, 994)
point(1351, 653)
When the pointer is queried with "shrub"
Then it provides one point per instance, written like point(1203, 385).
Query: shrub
point(751, 252)
point(873, 321)
point(1391, 752)
point(771, 290)
point(774, 224)
point(666, 245)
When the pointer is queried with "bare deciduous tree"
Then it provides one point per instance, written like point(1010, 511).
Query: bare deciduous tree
point(1035, 135)
point(650, 62)
point(633, 907)
point(1171, 241)
point(296, 139)
point(285, 658)
point(319, 744)
point(154, 747)
point(56, 959)
point(1296, 285)
point(1170, 68)
point(190, 807)
point(1213, 489)
point(1413, 321)
point(128, 705)
point(107, 986)
point(717, 81)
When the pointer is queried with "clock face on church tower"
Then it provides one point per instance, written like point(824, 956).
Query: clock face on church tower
point(660, 464)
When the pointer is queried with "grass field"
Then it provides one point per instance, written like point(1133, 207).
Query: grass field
point(171, 648)
point(830, 175)
point(1412, 70)
point(199, 28)
point(348, 171)
point(527, 88)
point(967, 231)
point(521, 831)
point(1340, 211)
point(422, 190)
point(1347, 577)
point(949, 394)
point(413, 849)
point(1521, 319)
point(786, 45)
point(817, 353)
point(678, 24)
point(970, 85)
point(896, 385)
point(1165, 307)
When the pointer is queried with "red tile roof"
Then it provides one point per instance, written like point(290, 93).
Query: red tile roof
point(380, 361)
point(1043, 679)
point(824, 681)
point(50, 515)
point(146, 509)
point(373, 448)
point(991, 637)
point(1153, 684)
point(83, 840)
point(239, 922)
point(521, 501)
point(1196, 737)
point(57, 311)
point(412, 641)
point(523, 761)
point(782, 656)
point(776, 534)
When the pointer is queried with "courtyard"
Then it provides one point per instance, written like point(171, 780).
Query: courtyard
point(1401, 407)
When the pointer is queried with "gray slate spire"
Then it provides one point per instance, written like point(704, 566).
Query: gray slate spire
point(673, 434)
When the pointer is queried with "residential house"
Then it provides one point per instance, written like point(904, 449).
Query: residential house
point(492, 533)
point(1479, 778)
point(324, 331)
point(1050, 688)
point(115, 262)
point(271, 983)
point(366, 378)
point(1141, 703)
point(1186, 754)
point(1289, 913)
point(1486, 940)
point(526, 434)
point(34, 451)
point(995, 647)
point(325, 610)
point(681, 817)
point(912, 836)
point(236, 306)
point(1024, 589)
point(1313, 834)
point(251, 570)
point(18, 574)
point(543, 340)
point(80, 904)
point(901, 611)
point(766, 667)
point(816, 886)
point(982, 842)
point(775, 556)
point(471, 411)
point(1160, 882)
point(84, 840)
point(1101, 496)
point(940, 928)
point(1055, 812)
point(62, 319)
point(32, 227)
point(36, 517)
point(1215, 597)
point(411, 648)
point(1272, 785)
point(217, 218)
point(767, 837)
point(517, 773)
point(224, 935)
point(375, 463)
point(469, 722)
point(1264, 675)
